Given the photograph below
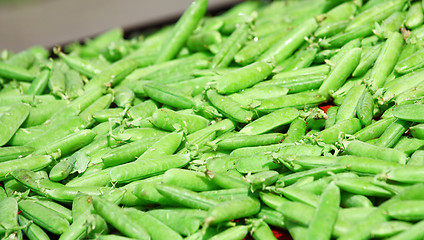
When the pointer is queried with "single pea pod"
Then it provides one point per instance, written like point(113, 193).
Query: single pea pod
point(39, 84)
point(330, 29)
point(367, 60)
point(239, 141)
point(391, 228)
point(182, 30)
point(390, 25)
point(11, 120)
point(341, 39)
point(244, 77)
point(31, 162)
point(81, 65)
point(186, 197)
point(270, 121)
point(365, 108)
point(406, 174)
point(170, 120)
point(286, 46)
point(363, 149)
point(228, 107)
point(32, 230)
point(43, 216)
point(331, 134)
point(410, 63)
point(167, 95)
point(349, 106)
point(341, 71)
point(14, 152)
point(15, 72)
point(415, 16)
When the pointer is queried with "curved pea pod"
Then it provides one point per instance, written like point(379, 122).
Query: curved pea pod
point(296, 131)
point(327, 209)
point(9, 216)
point(31, 230)
point(109, 113)
point(67, 145)
point(350, 200)
point(406, 174)
point(417, 131)
point(14, 152)
point(218, 128)
point(386, 60)
point(408, 210)
point(409, 145)
point(367, 60)
point(389, 229)
point(287, 45)
point(81, 65)
point(166, 145)
point(296, 100)
point(402, 84)
point(182, 30)
point(239, 141)
point(417, 158)
point(43, 216)
point(376, 13)
point(117, 217)
point(414, 232)
point(166, 95)
point(242, 78)
point(142, 110)
point(10, 71)
point(228, 107)
point(270, 121)
point(262, 162)
point(237, 232)
point(31, 162)
point(123, 96)
point(42, 112)
point(374, 130)
point(341, 39)
point(363, 149)
point(301, 59)
point(170, 120)
point(182, 220)
point(231, 46)
point(113, 74)
point(191, 180)
point(350, 103)
point(362, 187)
point(146, 193)
point(415, 16)
point(11, 120)
point(340, 72)
point(147, 167)
point(238, 208)
point(365, 108)
point(186, 197)
point(331, 134)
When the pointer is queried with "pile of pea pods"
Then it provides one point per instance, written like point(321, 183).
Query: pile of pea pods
point(302, 117)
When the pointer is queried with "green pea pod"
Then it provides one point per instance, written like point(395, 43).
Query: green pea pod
point(31, 230)
point(11, 120)
point(376, 13)
point(39, 84)
point(331, 134)
point(286, 46)
point(254, 49)
point(186, 197)
point(43, 216)
point(170, 120)
point(151, 224)
point(367, 60)
point(147, 167)
point(74, 84)
point(386, 60)
point(117, 217)
point(374, 130)
point(350, 103)
point(243, 78)
point(368, 150)
point(182, 30)
point(191, 180)
point(166, 95)
point(342, 38)
point(14, 152)
point(340, 72)
point(182, 220)
point(67, 145)
point(228, 107)
point(330, 29)
point(327, 208)
point(411, 63)
point(31, 162)
point(365, 108)
point(239, 141)
point(202, 41)
point(81, 65)
point(390, 25)
point(391, 228)
point(270, 121)
point(296, 100)
point(15, 72)
point(40, 113)
point(113, 74)
point(415, 16)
